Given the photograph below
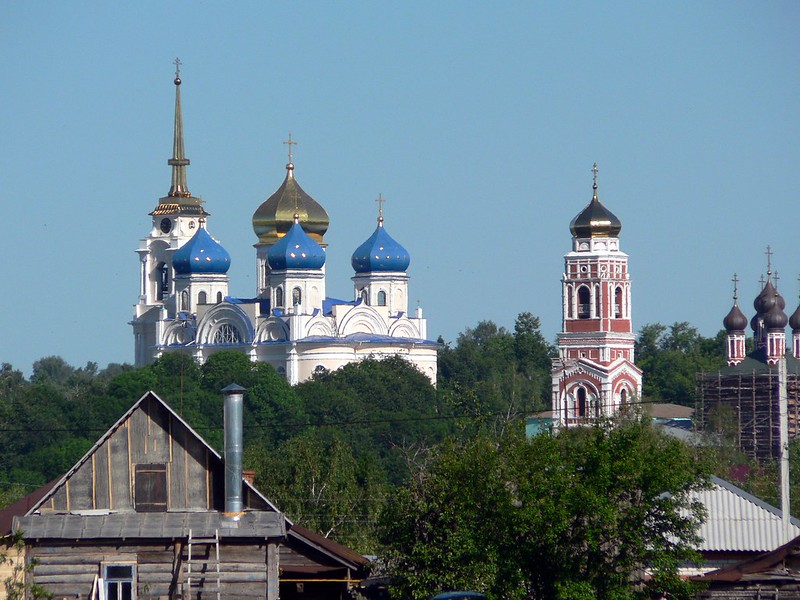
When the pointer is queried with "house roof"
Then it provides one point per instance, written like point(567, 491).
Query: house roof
point(739, 522)
point(328, 546)
point(766, 565)
point(22, 506)
point(154, 397)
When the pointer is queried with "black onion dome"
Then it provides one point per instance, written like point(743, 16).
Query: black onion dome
point(775, 319)
point(595, 221)
point(766, 299)
point(794, 320)
point(735, 320)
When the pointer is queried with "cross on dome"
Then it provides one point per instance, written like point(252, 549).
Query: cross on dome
point(290, 143)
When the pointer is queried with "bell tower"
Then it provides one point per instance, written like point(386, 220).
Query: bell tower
point(594, 374)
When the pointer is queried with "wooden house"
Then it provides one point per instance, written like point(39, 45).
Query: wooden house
point(146, 513)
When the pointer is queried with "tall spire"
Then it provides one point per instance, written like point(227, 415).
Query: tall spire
point(178, 162)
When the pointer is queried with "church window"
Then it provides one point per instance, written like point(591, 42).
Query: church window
point(581, 408)
point(297, 296)
point(597, 312)
point(202, 298)
point(184, 300)
point(584, 302)
point(279, 296)
point(623, 397)
point(163, 281)
point(227, 334)
point(365, 297)
point(618, 303)
point(570, 309)
point(219, 297)
point(381, 298)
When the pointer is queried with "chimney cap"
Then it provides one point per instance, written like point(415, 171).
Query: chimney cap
point(233, 389)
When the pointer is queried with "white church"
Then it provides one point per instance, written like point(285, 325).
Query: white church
point(290, 323)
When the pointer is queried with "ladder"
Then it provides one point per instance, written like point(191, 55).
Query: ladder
point(202, 568)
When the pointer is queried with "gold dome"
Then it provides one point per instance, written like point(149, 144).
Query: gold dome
point(275, 216)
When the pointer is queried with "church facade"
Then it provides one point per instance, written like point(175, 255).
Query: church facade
point(594, 375)
point(184, 302)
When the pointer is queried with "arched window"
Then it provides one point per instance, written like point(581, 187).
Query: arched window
point(227, 334)
point(597, 312)
point(581, 407)
point(365, 297)
point(618, 303)
point(623, 395)
point(184, 300)
point(202, 298)
point(219, 297)
point(163, 281)
point(297, 296)
point(381, 298)
point(584, 302)
point(279, 296)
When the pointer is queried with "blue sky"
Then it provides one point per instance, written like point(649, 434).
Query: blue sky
point(478, 122)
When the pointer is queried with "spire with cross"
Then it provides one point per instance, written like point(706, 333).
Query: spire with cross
point(290, 143)
point(735, 281)
point(769, 260)
point(380, 200)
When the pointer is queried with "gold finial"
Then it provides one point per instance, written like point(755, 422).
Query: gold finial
point(735, 281)
point(178, 64)
point(380, 200)
point(290, 143)
point(769, 260)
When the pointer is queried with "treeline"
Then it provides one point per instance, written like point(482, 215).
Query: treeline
point(330, 450)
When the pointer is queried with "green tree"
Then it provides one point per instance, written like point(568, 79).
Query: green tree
point(578, 515)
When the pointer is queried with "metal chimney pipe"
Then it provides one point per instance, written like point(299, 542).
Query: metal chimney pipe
point(233, 407)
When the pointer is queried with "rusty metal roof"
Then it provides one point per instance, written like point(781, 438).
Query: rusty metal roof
point(739, 522)
point(89, 525)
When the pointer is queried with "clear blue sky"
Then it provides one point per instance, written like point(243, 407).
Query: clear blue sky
point(478, 121)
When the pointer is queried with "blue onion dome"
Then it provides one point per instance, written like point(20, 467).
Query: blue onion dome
point(775, 319)
point(201, 254)
point(296, 250)
point(734, 320)
point(380, 253)
point(273, 219)
point(595, 220)
point(794, 320)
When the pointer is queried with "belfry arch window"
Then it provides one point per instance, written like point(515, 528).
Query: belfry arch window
point(618, 303)
point(584, 302)
point(184, 300)
point(202, 298)
point(219, 297)
point(297, 296)
point(365, 297)
point(381, 298)
point(581, 404)
point(570, 308)
point(279, 296)
point(163, 281)
point(227, 334)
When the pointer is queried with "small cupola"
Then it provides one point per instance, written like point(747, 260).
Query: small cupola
point(595, 220)
point(380, 253)
point(296, 250)
point(735, 321)
point(201, 254)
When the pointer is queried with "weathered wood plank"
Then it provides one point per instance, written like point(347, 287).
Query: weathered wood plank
point(120, 485)
point(80, 488)
point(101, 477)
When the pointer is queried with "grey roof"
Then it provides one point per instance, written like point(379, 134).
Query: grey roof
point(740, 522)
point(133, 525)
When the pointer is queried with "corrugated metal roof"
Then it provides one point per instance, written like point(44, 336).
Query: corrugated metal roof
point(132, 525)
point(738, 521)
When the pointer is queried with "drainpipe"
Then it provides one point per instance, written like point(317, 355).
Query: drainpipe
point(233, 406)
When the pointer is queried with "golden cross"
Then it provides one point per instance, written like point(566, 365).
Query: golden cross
point(290, 143)
point(380, 200)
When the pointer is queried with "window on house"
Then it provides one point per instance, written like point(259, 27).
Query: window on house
point(118, 581)
point(584, 302)
point(150, 483)
point(381, 298)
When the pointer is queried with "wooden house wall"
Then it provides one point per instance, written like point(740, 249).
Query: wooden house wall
point(150, 436)
point(68, 570)
point(15, 558)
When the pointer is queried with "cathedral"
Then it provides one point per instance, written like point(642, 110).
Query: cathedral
point(184, 303)
point(594, 375)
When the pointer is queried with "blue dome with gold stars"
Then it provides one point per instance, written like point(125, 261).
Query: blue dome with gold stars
point(380, 253)
point(296, 250)
point(201, 254)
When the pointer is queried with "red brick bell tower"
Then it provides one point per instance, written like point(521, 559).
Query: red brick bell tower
point(594, 374)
